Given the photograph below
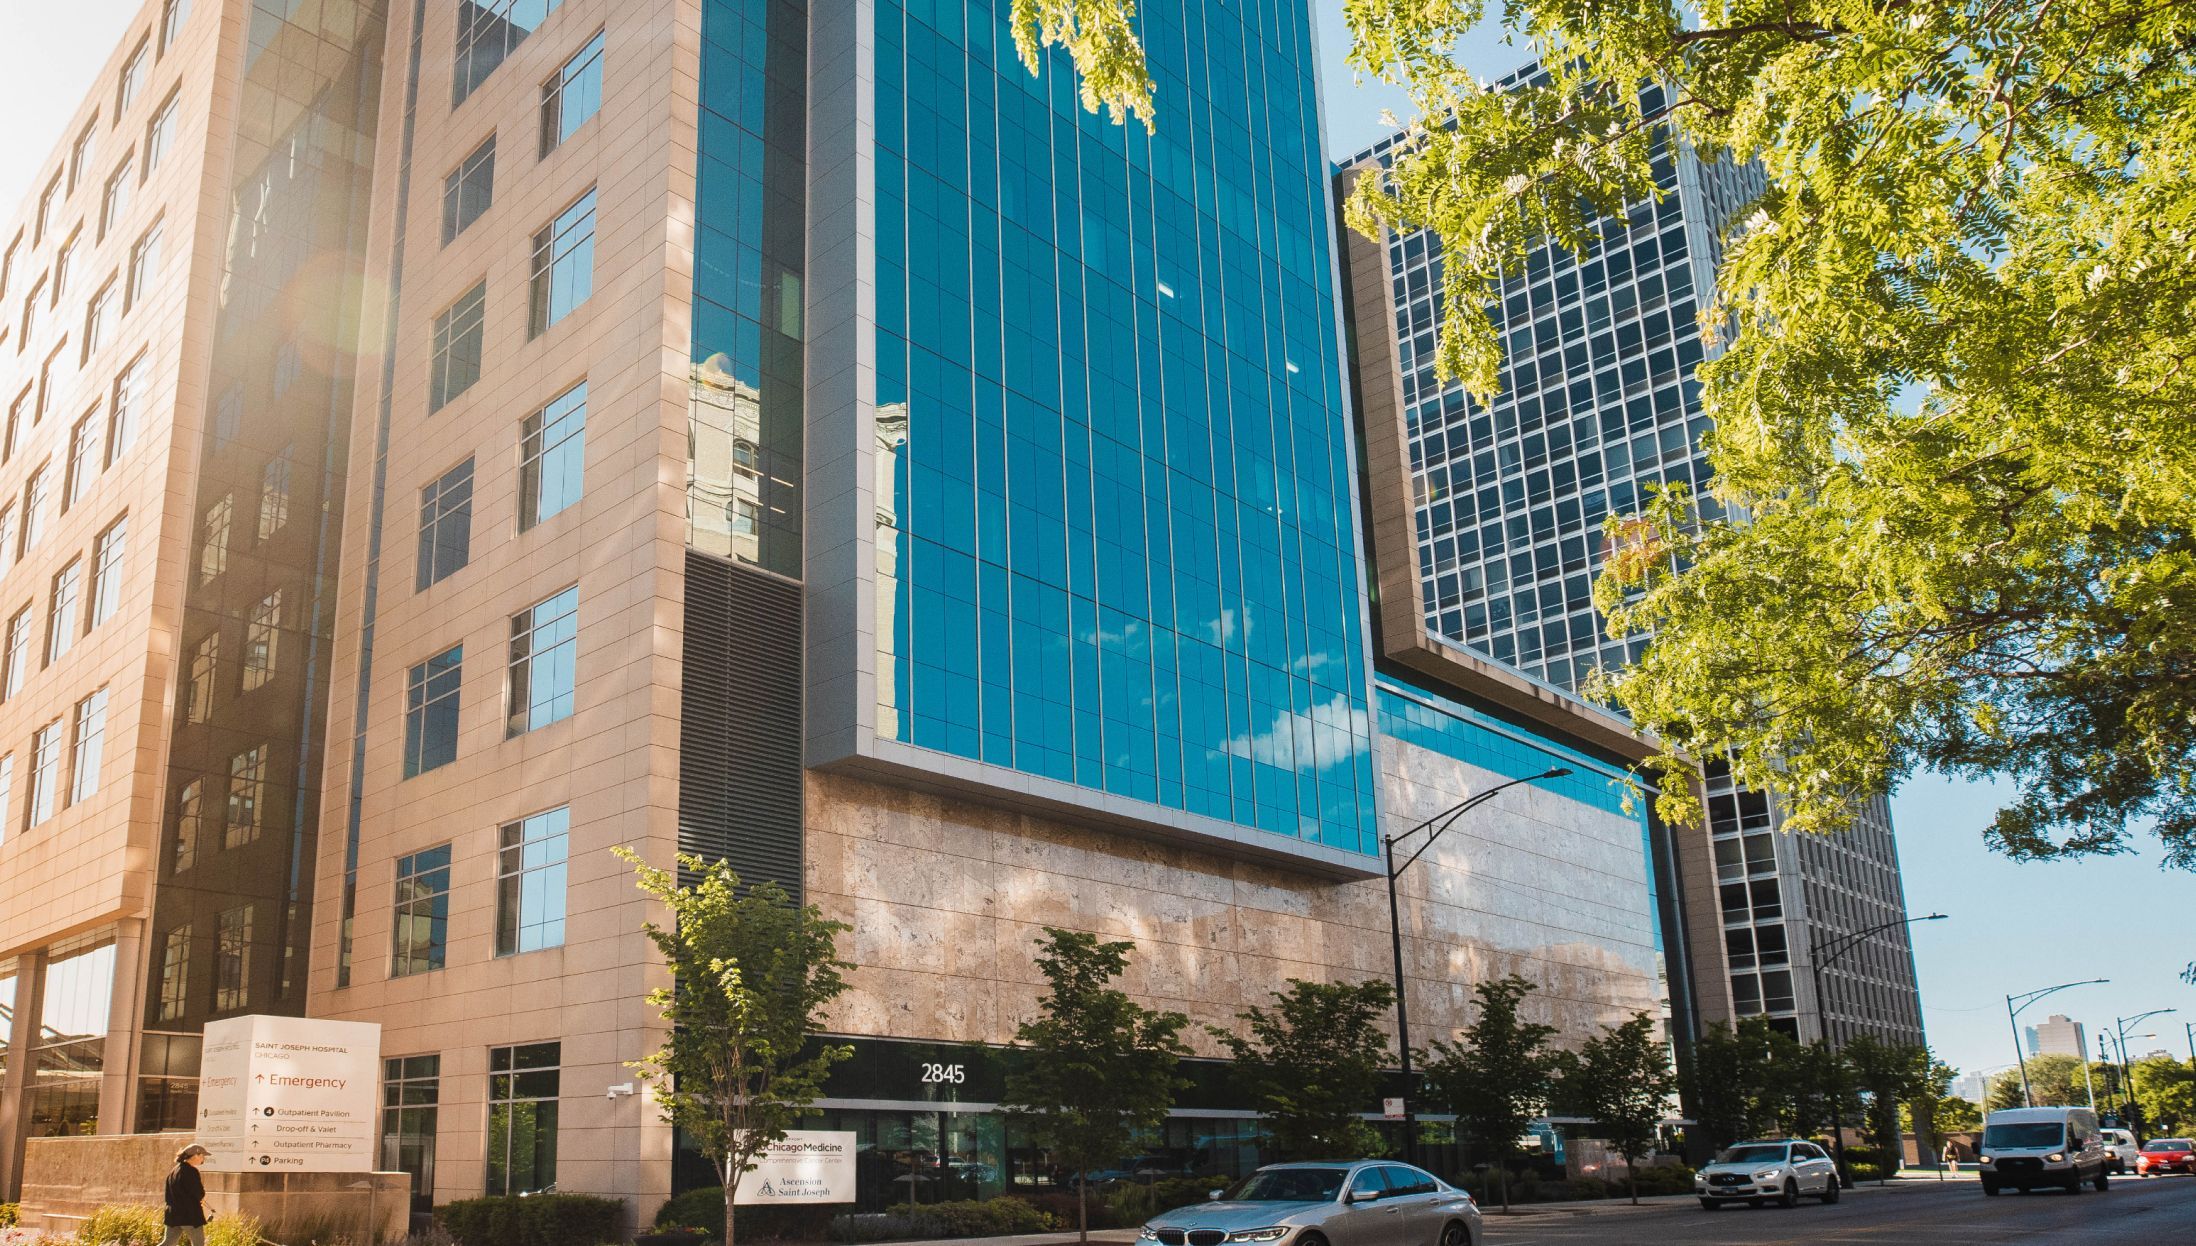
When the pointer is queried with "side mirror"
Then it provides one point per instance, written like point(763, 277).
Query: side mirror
point(1359, 1196)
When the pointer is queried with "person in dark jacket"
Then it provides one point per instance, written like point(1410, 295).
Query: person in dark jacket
point(186, 1218)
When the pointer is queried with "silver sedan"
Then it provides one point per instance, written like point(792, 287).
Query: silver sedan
point(1360, 1203)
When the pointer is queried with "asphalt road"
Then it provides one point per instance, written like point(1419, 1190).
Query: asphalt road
point(2161, 1210)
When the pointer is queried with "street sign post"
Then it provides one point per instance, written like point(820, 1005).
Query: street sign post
point(289, 1094)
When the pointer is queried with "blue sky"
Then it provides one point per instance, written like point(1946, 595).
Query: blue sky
point(2013, 927)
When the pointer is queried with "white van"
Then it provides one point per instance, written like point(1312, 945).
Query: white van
point(2120, 1150)
point(2028, 1147)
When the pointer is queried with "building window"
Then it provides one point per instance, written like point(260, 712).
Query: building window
point(487, 30)
point(31, 303)
point(144, 263)
point(445, 524)
point(522, 1118)
point(122, 409)
point(18, 659)
point(36, 494)
point(108, 553)
point(469, 190)
point(80, 153)
point(64, 266)
point(233, 959)
point(422, 912)
point(83, 459)
point(89, 748)
point(213, 544)
point(7, 537)
point(274, 494)
point(228, 418)
point(50, 380)
point(173, 13)
point(431, 712)
point(411, 1089)
point(46, 199)
point(132, 80)
point(160, 133)
point(199, 706)
point(68, 585)
point(563, 267)
point(175, 973)
point(262, 639)
point(98, 318)
point(247, 794)
point(114, 197)
point(457, 347)
point(552, 448)
point(572, 96)
point(190, 822)
point(7, 793)
point(544, 641)
point(7, 262)
point(20, 418)
point(45, 771)
point(530, 882)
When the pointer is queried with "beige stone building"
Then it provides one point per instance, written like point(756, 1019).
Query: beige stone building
point(785, 433)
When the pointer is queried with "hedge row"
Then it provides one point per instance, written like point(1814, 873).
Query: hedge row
point(533, 1220)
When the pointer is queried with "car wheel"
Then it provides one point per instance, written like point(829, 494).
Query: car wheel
point(2074, 1183)
point(1990, 1187)
point(2103, 1179)
point(1455, 1234)
point(1310, 1239)
point(1791, 1194)
point(1709, 1204)
point(1830, 1191)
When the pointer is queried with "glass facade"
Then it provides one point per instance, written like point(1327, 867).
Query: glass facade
point(745, 408)
point(1114, 541)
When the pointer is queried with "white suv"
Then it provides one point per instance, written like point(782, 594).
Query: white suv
point(1756, 1172)
point(2120, 1149)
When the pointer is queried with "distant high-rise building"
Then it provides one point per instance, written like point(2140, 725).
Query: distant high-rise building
point(2057, 1036)
point(1501, 536)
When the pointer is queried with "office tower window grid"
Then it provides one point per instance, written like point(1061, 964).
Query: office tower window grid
point(431, 711)
point(88, 747)
point(457, 346)
point(563, 274)
point(1119, 549)
point(544, 653)
point(487, 32)
point(445, 525)
point(247, 796)
point(469, 190)
point(572, 95)
point(552, 456)
point(523, 1087)
point(530, 869)
point(421, 924)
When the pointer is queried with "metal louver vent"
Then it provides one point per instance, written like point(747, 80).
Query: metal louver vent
point(740, 706)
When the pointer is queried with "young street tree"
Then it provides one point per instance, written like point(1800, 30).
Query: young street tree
point(1096, 1068)
point(1313, 1064)
point(1621, 1080)
point(1497, 1079)
point(750, 974)
point(1736, 1081)
point(1953, 398)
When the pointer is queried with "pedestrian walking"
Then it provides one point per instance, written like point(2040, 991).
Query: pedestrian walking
point(1951, 1153)
point(186, 1191)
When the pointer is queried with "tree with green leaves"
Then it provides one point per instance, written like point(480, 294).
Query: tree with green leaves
point(1951, 400)
point(2053, 1080)
point(1313, 1064)
point(1928, 1109)
point(1621, 1080)
point(1497, 1078)
point(750, 974)
point(1096, 1068)
point(2165, 1089)
point(1888, 1075)
point(1736, 1082)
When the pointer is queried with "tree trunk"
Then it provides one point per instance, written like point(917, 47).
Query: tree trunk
point(731, 1191)
point(1502, 1178)
point(1082, 1208)
point(1631, 1174)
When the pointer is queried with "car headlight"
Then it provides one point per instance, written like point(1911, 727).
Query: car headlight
point(2056, 1156)
point(1148, 1233)
point(1767, 1174)
point(1273, 1234)
point(1982, 1159)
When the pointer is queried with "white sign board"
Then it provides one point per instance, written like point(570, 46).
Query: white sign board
point(1392, 1109)
point(289, 1094)
point(806, 1166)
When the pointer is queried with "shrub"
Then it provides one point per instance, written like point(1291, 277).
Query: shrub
point(535, 1220)
point(124, 1226)
point(1138, 1203)
point(994, 1217)
point(1661, 1179)
point(238, 1231)
point(704, 1209)
point(11, 1214)
point(1060, 1205)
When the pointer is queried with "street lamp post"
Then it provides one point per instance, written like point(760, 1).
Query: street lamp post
point(2189, 1028)
point(2127, 1074)
point(1818, 955)
point(1445, 819)
point(2014, 1005)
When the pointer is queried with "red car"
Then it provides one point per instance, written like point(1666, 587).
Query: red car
point(2161, 1155)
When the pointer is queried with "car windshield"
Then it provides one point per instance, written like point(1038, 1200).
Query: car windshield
point(2167, 1144)
point(1291, 1185)
point(2025, 1134)
point(1750, 1155)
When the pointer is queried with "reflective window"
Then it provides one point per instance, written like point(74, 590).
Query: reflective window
point(83, 459)
point(431, 712)
point(80, 152)
point(173, 13)
point(18, 656)
point(7, 794)
point(572, 96)
point(7, 537)
point(487, 31)
point(144, 263)
point(88, 746)
point(175, 973)
point(544, 645)
point(160, 133)
point(262, 640)
point(422, 919)
point(61, 611)
point(45, 776)
point(46, 201)
point(553, 447)
point(411, 1089)
point(132, 80)
point(69, 1050)
point(445, 524)
point(457, 347)
point(274, 494)
point(247, 797)
point(114, 198)
point(233, 959)
point(469, 190)
point(213, 541)
point(190, 824)
point(99, 316)
point(108, 553)
point(523, 1085)
point(563, 272)
point(530, 882)
point(37, 496)
point(205, 660)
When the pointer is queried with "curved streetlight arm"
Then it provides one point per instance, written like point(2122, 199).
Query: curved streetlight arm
point(2014, 1006)
point(1447, 817)
point(1846, 943)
